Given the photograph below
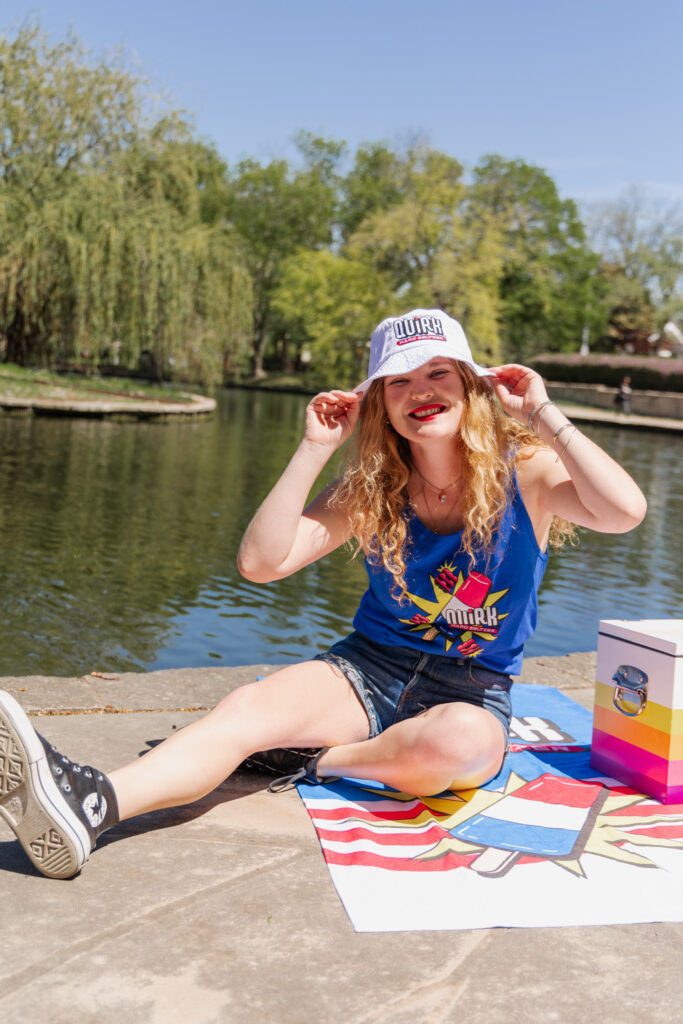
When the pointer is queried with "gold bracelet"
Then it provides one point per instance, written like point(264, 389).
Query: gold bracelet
point(560, 429)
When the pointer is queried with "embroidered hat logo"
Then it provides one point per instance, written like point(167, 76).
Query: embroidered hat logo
point(418, 328)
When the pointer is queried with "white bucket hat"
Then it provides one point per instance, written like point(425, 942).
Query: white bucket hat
point(403, 343)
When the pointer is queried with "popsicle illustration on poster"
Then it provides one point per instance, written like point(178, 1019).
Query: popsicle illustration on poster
point(533, 813)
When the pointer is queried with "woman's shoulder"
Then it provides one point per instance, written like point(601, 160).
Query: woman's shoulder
point(533, 461)
point(536, 470)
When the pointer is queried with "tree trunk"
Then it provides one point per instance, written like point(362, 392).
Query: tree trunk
point(21, 341)
point(259, 349)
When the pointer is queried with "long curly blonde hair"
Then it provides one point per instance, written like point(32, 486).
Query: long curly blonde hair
point(373, 488)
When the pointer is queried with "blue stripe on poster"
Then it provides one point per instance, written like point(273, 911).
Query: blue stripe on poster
point(537, 840)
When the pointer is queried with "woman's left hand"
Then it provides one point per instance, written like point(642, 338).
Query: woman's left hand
point(519, 389)
point(579, 482)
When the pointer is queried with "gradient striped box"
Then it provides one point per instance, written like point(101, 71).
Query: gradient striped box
point(644, 751)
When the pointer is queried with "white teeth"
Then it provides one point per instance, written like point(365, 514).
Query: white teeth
point(427, 412)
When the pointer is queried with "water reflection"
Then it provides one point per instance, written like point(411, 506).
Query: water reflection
point(120, 542)
point(631, 576)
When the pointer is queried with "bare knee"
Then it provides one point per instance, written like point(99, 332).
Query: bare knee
point(450, 737)
point(244, 700)
point(237, 715)
point(461, 747)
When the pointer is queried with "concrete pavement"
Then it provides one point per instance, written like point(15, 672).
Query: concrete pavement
point(224, 911)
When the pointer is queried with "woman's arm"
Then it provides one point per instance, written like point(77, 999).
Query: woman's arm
point(577, 480)
point(283, 536)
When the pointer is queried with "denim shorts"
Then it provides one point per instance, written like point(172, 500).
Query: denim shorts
point(395, 683)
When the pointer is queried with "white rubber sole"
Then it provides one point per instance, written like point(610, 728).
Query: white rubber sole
point(55, 840)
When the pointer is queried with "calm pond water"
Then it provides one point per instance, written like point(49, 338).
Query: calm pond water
point(119, 543)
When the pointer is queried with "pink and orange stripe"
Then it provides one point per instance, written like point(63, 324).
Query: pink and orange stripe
point(645, 752)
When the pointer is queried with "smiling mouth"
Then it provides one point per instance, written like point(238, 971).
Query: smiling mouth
point(427, 412)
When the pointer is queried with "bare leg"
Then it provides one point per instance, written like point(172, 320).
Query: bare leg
point(451, 746)
point(310, 704)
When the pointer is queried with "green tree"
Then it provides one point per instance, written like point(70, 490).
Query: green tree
point(374, 183)
point(641, 243)
point(102, 244)
point(632, 317)
point(331, 304)
point(549, 289)
point(433, 251)
point(277, 210)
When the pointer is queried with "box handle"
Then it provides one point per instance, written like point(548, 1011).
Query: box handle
point(631, 685)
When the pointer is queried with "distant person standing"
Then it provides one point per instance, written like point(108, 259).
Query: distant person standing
point(623, 397)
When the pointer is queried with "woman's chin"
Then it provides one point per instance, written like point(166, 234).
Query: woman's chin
point(442, 424)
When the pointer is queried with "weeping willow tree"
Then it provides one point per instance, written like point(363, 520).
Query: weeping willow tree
point(103, 250)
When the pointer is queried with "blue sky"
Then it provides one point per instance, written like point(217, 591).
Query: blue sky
point(591, 90)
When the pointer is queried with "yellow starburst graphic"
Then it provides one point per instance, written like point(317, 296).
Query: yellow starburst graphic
point(431, 610)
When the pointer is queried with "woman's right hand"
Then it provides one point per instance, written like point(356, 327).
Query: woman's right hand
point(331, 417)
point(284, 536)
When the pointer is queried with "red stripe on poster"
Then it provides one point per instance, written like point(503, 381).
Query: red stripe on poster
point(363, 858)
point(407, 838)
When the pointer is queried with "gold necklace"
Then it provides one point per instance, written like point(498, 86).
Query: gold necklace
point(440, 491)
point(433, 517)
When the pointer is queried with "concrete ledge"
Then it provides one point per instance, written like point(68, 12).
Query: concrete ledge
point(199, 405)
point(198, 689)
point(630, 421)
point(185, 689)
point(656, 404)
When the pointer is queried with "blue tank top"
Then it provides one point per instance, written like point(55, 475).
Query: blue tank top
point(485, 609)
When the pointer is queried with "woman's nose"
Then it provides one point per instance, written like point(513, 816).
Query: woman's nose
point(421, 389)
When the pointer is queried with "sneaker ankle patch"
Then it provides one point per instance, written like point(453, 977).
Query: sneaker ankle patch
point(95, 809)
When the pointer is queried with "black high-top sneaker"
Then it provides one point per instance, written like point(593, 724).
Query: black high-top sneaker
point(55, 808)
point(279, 760)
point(307, 771)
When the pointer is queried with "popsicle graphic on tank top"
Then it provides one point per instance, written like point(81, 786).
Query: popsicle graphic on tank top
point(465, 612)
